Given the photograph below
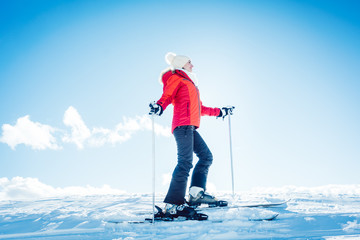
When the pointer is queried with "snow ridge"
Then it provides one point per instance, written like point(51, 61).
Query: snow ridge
point(33, 210)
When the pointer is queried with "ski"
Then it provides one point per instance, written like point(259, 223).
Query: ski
point(257, 205)
point(125, 222)
point(224, 207)
point(160, 216)
point(182, 219)
point(147, 220)
point(264, 205)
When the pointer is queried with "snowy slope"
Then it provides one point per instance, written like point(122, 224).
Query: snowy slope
point(329, 212)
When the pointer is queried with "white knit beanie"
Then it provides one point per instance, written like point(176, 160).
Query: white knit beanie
point(176, 61)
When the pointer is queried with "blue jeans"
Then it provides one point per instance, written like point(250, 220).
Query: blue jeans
point(188, 141)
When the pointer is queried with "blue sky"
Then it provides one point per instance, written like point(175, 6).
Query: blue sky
point(77, 76)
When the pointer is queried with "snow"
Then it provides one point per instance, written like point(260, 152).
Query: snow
point(30, 209)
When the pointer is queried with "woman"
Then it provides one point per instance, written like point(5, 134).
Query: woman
point(179, 89)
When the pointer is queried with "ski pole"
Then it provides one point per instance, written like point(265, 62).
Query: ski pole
point(153, 166)
point(231, 158)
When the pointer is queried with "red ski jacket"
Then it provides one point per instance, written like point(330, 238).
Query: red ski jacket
point(181, 91)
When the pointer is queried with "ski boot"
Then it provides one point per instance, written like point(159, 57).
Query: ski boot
point(183, 211)
point(198, 197)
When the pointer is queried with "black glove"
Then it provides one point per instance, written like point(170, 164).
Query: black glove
point(155, 109)
point(226, 111)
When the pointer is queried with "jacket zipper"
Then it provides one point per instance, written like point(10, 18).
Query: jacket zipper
point(199, 103)
point(198, 97)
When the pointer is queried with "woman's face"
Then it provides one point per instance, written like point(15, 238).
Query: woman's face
point(188, 66)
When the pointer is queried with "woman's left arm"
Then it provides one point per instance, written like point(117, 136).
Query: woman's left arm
point(208, 111)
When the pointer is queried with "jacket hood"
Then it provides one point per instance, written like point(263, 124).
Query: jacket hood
point(168, 72)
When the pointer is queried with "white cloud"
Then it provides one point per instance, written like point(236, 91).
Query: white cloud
point(124, 131)
point(81, 135)
point(79, 131)
point(146, 123)
point(102, 136)
point(19, 188)
point(33, 134)
point(39, 136)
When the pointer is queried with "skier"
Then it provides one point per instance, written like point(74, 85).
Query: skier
point(179, 89)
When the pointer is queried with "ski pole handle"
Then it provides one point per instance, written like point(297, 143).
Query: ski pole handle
point(226, 111)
